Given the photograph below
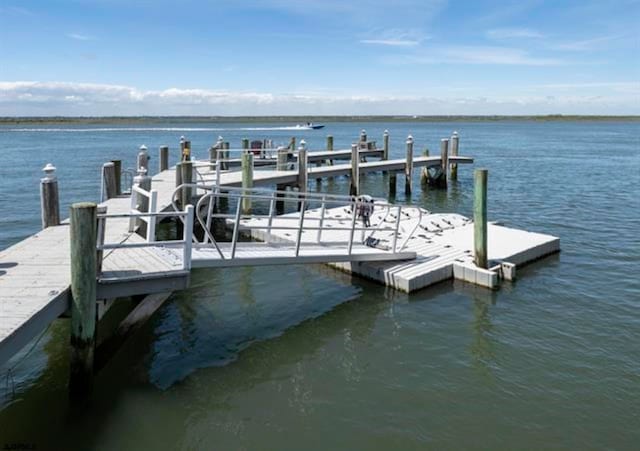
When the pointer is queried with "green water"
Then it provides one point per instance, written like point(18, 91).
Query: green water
point(304, 357)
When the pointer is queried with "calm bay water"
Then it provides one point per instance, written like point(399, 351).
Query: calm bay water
point(304, 357)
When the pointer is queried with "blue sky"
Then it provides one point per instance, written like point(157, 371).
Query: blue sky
point(117, 57)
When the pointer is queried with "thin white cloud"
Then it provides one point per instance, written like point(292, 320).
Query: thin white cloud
point(586, 44)
point(487, 55)
point(57, 98)
point(79, 36)
point(513, 33)
point(391, 42)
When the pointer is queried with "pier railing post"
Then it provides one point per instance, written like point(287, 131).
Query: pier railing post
point(363, 139)
point(109, 185)
point(83, 292)
point(49, 200)
point(455, 140)
point(164, 158)
point(245, 143)
point(247, 181)
point(292, 144)
point(302, 166)
point(117, 164)
point(480, 218)
point(408, 170)
point(354, 189)
point(143, 158)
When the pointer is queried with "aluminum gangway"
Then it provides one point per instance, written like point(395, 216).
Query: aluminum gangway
point(314, 238)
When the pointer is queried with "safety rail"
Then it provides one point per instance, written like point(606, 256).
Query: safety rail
point(143, 206)
point(187, 238)
point(323, 223)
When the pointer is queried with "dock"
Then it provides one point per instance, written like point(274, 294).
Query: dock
point(403, 247)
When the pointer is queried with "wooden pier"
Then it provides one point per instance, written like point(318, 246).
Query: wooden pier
point(405, 247)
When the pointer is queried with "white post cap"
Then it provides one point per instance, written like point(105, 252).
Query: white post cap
point(49, 171)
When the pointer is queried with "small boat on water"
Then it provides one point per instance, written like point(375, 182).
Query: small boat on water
point(310, 126)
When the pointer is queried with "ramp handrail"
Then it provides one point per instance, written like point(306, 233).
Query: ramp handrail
point(354, 206)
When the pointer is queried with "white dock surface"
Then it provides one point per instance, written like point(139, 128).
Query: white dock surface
point(441, 241)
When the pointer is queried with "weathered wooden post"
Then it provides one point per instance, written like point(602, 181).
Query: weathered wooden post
point(303, 175)
point(225, 146)
point(142, 202)
point(282, 156)
point(444, 162)
point(302, 166)
point(245, 143)
point(49, 199)
point(186, 168)
point(454, 153)
point(424, 176)
point(179, 175)
point(247, 180)
point(480, 217)
point(143, 158)
point(354, 189)
point(292, 144)
point(363, 137)
point(83, 303)
point(185, 149)
point(109, 181)
point(117, 164)
point(330, 147)
point(385, 145)
point(408, 169)
point(164, 158)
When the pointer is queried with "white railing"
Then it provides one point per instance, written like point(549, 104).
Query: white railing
point(187, 238)
point(143, 201)
point(323, 223)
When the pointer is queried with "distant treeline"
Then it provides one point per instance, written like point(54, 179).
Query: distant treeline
point(296, 119)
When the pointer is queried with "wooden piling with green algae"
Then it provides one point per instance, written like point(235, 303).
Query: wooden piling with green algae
point(480, 217)
point(83, 230)
point(247, 180)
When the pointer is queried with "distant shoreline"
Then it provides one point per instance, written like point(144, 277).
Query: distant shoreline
point(296, 119)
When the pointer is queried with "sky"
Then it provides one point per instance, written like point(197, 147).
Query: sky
point(320, 57)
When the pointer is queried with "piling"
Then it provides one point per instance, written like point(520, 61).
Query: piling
point(164, 158)
point(245, 143)
point(186, 168)
point(247, 180)
point(385, 145)
point(330, 147)
point(143, 158)
point(83, 303)
point(292, 144)
point(178, 174)
point(49, 199)
point(186, 150)
point(354, 189)
point(363, 136)
point(424, 176)
point(109, 185)
point(117, 164)
point(455, 140)
point(302, 166)
point(480, 218)
point(280, 198)
point(441, 182)
point(408, 170)
point(282, 157)
point(225, 146)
